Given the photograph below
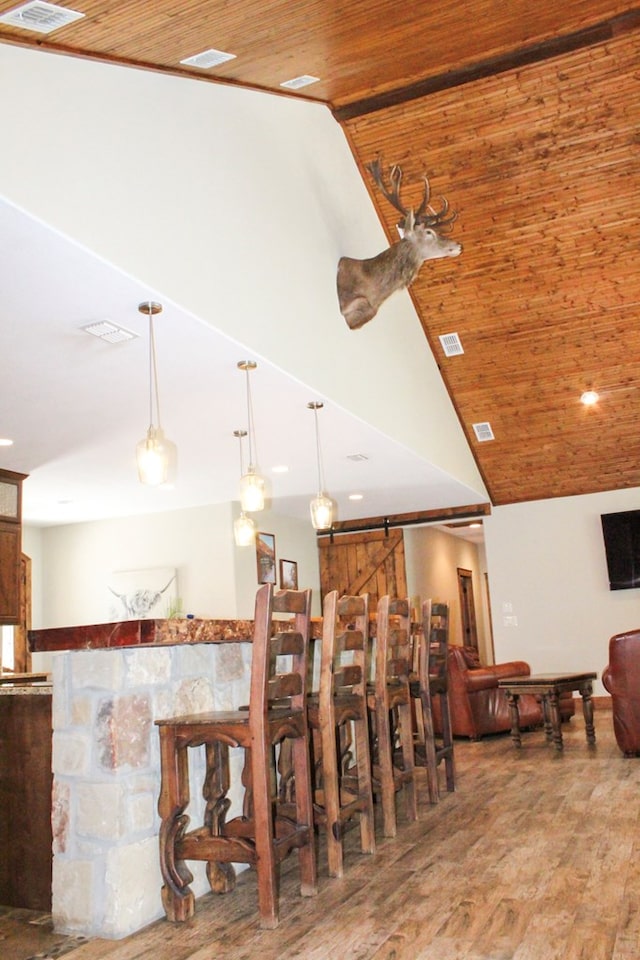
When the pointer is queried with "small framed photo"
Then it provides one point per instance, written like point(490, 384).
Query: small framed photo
point(288, 575)
point(266, 557)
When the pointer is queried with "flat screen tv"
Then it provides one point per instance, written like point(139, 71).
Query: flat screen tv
point(621, 532)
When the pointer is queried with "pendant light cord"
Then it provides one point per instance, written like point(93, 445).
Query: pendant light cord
point(238, 434)
point(319, 453)
point(250, 425)
point(153, 375)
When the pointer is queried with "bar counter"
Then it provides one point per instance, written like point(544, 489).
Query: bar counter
point(135, 633)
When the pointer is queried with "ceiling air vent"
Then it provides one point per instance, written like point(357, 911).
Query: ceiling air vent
point(483, 431)
point(39, 16)
point(451, 344)
point(105, 330)
point(299, 82)
point(357, 457)
point(208, 58)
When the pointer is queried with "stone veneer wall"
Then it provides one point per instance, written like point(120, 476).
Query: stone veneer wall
point(106, 873)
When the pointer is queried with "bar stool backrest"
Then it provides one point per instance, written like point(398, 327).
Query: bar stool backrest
point(273, 679)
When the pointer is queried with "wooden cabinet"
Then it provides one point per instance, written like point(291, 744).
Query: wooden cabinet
point(25, 796)
point(10, 545)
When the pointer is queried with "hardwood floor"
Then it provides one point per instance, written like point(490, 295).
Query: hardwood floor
point(535, 857)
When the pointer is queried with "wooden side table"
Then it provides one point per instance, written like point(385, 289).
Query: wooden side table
point(549, 686)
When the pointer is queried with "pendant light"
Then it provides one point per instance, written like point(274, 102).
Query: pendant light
point(321, 506)
point(251, 483)
point(244, 529)
point(155, 455)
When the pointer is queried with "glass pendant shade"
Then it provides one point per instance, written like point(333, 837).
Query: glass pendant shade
point(155, 456)
point(251, 491)
point(244, 531)
point(251, 483)
point(321, 508)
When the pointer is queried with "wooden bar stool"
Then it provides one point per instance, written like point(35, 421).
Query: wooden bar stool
point(431, 680)
point(389, 700)
point(338, 718)
point(260, 836)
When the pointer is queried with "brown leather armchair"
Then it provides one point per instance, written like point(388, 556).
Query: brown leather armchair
point(621, 678)
point(478, 706)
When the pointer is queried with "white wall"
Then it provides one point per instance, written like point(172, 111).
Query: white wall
point(433, 558)
point(545, 561)
point(547, 568)
point(72, 563)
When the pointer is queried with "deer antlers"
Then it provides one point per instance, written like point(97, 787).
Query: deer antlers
point(425, 214)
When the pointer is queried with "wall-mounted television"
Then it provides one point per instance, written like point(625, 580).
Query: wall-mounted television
point(621, 532)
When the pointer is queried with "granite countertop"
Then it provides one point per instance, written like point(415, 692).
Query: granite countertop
point(134, 633)
point(21, 684)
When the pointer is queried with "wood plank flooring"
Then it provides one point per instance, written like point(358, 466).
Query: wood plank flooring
point(535, 857)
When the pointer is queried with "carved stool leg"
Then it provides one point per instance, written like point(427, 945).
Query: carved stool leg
point(177, 897)
point(387, 785)
point(363, 767)
point(221, 876)
point(427, 735)
point(258, 770)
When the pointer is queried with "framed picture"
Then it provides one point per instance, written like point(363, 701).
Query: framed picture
point(142, 594)
point(266, 557)
point(288, 575)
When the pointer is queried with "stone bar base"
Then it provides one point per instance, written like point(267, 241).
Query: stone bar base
point(106, 874)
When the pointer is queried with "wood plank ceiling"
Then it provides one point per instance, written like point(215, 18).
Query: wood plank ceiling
point(527, 117)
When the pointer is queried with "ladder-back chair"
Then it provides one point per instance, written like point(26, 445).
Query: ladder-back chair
point(431, 680)
point(389, 700)
point(338, 718)
point(260, 836)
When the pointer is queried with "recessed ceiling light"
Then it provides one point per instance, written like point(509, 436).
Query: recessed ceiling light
point(355, 496)
point(299, 82)
point(281, 468)
point(208, 58)
point(589, 397)
point(5, 442)
point(39, 16)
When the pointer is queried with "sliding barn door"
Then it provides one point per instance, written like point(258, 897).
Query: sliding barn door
point(370, 563)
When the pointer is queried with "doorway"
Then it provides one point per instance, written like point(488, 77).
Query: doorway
point(14, 647)
point(467, 608)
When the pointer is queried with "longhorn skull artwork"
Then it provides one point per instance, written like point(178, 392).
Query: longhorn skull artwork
point(363, 285)
point(139, 603)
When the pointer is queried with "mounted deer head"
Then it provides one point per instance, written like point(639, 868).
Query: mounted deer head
point(363, 285)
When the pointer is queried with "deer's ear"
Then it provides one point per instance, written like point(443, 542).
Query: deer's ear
point(407, 226)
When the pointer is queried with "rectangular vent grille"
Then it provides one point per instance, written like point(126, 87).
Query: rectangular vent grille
point(105, 330)
point(39, 16)
point(208, 58)
point(299, 82)
point(451, 344)
point(483, 431)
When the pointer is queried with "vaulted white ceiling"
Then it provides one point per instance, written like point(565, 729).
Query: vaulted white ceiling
point(76, 406)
